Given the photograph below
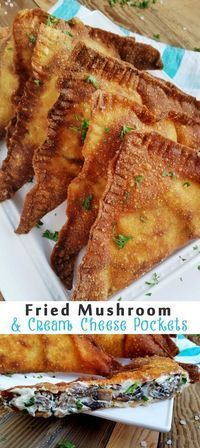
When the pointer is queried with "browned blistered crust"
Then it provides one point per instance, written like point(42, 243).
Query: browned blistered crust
point(160, 215)
point(8, 78)
point(142, 56)
point(49, 57)
point(53, 353)
point(159, 96)
point(137, 345)
point(111, 113)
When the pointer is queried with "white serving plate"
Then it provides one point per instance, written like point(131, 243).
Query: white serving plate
point(157, 416)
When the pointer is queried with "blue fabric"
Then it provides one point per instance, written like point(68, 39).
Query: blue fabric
point(67, 9)
point(172, 58)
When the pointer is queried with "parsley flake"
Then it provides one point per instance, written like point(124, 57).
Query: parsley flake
point(32, 39)
point(131, 388)
point(169, 174)
point(67, 33)
point(184, 380)
point(79, 405)
point(51, 20)
point(53, 236)
point(138, 179)
point(39, 224)
point(92, 80)
point(106, 130)
point(154, 281)
point(66, 444)
point(145, 398)
point(186, 184)
point(148, 294)
point(119, 300)
point(82, 129)
point(125, 130)
point(156, 36)
point(196, 49)
point(37, 82)
point(198, 267)
point(30, 402)
point(87, 202)
point(122, 240)
point(182, 259)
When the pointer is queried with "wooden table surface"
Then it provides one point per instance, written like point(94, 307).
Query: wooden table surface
point(177, 22)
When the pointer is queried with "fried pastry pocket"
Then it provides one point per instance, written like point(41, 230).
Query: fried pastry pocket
point(53, 353)
point(137, 345)
point(150, 209)
point(148, 381)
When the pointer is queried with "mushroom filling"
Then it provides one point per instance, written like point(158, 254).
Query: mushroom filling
point(81, 396)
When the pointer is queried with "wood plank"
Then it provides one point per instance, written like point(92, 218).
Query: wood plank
point(81, 430)
point(176, 21)
point(186, 406)
point(7, 13)
point(128, 436)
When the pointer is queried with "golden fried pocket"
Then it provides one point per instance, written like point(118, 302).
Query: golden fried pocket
point(53, 353)
point(150, 209)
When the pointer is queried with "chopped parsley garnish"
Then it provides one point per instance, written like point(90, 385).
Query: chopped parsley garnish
point(119, 300)
point(50, 235)
point(148, 294)
point(30, 402)
point(51, 20)
point(186, 184)
point(196, 49)
point(92, 80)
point(122, 240)
point(145, 398)
point(66, 444)
point(9, 48)
point(126, 195)
point(125, 130)
point(7, 374)
point(79, 405)
point(198, 267)
point(141, 4)
point(37, 82)
point(82, 129)
point(195, 247)
point(31, 180)
point(106, 130)
point(156, 36)
point(181, 258)
point(138, 179)
point(87, 202)
point(32, 39)
point(169, 174)
point(67, 33)
point(154, 281)
point(39, 224)
point(184, 380)
point(131, 388)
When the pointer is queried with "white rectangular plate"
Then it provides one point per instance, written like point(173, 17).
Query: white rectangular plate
point(156, 416)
